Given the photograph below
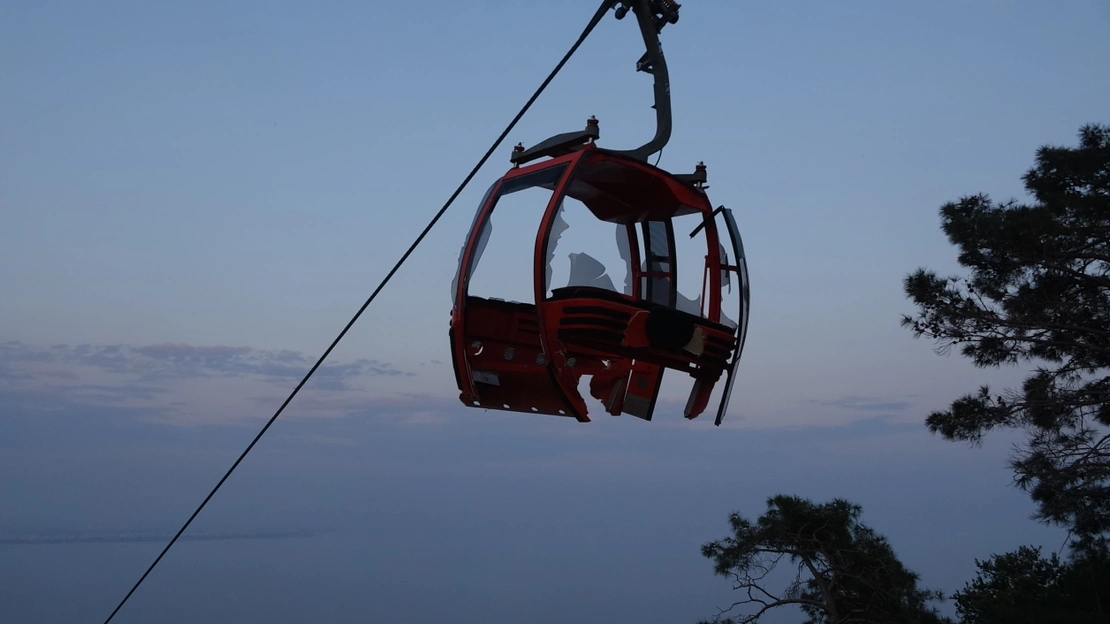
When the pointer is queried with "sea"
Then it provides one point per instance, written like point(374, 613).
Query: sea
point(338, 577)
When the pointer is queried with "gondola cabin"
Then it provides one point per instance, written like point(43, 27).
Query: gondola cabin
point(580, 320)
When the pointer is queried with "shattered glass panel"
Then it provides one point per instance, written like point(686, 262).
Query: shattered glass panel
point(585, 270)
point(625, 251)
point(582, 252)
point(729, 308)
point(726, 275)
point(481, 245)
point(557, 228)
point(734, 293)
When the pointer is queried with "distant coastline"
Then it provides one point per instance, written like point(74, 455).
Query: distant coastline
point(121, 538)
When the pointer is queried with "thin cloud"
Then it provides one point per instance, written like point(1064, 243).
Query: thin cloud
point(866, 404)
point(192, 385)
point(180, 361)
point(176, 382)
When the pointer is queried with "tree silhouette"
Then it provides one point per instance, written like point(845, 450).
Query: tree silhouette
point(843, 571)
point(1022, 587)
point(1038, 292)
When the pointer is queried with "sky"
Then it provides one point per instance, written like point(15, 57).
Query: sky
point(196, 197)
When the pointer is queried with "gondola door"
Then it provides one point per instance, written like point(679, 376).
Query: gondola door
point(738, 266)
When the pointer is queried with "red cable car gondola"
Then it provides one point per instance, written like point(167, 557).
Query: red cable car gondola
point(529, 357)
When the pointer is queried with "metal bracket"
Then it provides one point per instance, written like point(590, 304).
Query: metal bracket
point(663, 11)
point(652, 16)
point(696, 179)
point(557, 145)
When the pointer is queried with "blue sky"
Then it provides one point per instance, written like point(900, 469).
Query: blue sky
point(195, 197)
